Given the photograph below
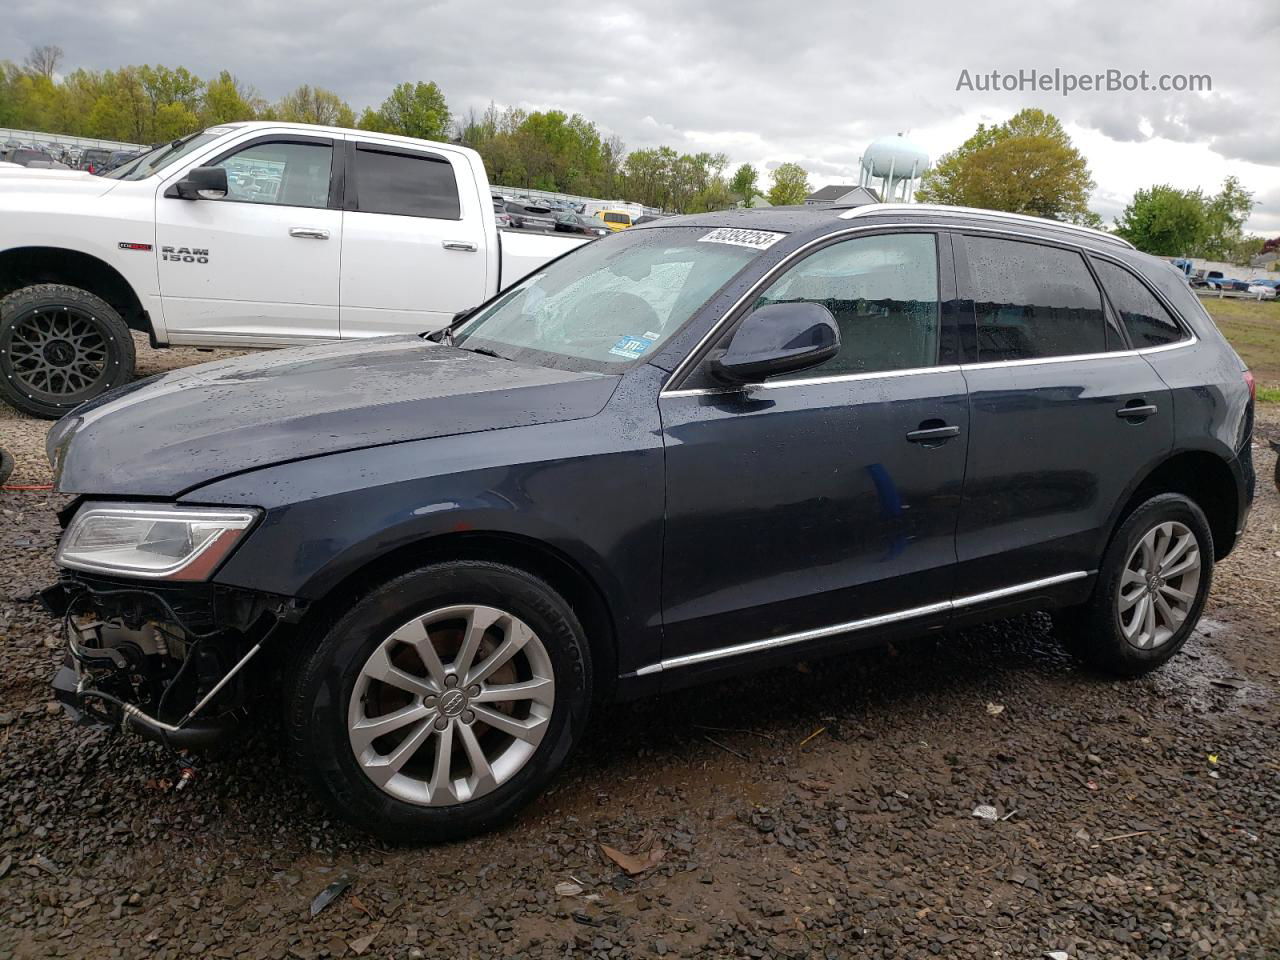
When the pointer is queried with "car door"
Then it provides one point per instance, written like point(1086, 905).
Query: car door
point(822, 503)
point(260, 265)
point(414, 244)
point(1064, 415)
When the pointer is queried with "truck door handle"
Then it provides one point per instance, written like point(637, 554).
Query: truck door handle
point(466, 246)
point(933, 432)
point(1136, 410)
point(311, 233)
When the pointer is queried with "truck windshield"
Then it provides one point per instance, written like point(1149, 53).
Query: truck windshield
point(613, 302)
point(159, 158)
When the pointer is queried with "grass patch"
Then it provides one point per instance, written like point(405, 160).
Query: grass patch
point(1253, 328)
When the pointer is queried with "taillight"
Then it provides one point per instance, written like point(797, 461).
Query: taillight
point(1252, 384)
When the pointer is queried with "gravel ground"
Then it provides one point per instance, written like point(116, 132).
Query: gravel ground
point(823, 812)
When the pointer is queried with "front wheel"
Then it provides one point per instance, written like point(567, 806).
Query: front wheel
point(1150, 592)
point(442, 703)
point(60, 346)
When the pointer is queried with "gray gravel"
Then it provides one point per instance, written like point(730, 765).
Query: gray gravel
point(1117, 834)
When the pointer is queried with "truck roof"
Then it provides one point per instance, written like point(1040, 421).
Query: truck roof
point(313, 129)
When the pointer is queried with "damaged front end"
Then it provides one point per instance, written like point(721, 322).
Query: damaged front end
point(164, 660)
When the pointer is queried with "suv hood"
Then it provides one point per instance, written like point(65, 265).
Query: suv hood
point(163, 436)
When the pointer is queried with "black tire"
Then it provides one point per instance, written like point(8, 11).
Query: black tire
point(320, 685)
point(95, 353)
point(1092, 631)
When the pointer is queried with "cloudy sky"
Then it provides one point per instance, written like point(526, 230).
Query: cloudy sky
point(765, 82)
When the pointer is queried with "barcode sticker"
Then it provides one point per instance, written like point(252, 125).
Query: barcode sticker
point(756, 239)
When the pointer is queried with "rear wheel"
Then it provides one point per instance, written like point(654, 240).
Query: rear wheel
point(443, 702)
point(60, 346)
point(1150, 592)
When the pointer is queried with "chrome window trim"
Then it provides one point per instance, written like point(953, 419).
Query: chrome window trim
point(683, 368)
point(813, 381)
point(852, 626)
point(974, 213)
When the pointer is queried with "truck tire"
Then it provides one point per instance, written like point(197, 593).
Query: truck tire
point(479, 660)
point(1150, 592)
point(60, 346)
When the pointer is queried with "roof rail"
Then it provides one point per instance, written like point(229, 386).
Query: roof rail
point(873, 209)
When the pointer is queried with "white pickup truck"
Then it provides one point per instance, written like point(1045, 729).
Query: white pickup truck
point(254, 234)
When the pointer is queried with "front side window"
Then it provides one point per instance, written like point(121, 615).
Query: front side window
point(1148, 322)
point(609, 304)
point(882, 292)
point(411, 185)
point(287, 174)
point(1033, 301)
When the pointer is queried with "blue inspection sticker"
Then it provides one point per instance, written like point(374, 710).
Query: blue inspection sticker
point(631, 347)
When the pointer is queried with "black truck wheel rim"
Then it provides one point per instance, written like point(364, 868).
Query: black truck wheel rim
point(56, 353)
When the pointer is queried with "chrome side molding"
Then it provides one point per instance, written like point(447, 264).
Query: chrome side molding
point(852, 626)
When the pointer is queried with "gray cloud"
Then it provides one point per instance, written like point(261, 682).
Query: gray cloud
point(764, 82)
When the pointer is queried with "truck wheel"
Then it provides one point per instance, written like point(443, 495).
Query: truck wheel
point(1151, 589)
point(60, 346)
point(442, 702)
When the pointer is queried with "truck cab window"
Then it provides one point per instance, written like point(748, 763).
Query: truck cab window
point(413, 185)
point(287, 174)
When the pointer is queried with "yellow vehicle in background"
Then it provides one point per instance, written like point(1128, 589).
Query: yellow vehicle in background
point(615, 220)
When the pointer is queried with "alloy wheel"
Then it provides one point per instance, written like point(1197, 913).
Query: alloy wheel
point(451, 705)
point(1159, 585)
point(56, 352)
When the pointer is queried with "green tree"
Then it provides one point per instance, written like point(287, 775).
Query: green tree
point(790, 185)
point(310, 104)
point(412, 110)
point(1025, 165)
point(745, 183)
point(226, 100)
point(1225, 214)
point(1164, 221)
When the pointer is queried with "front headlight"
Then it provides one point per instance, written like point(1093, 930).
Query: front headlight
point(156, 542)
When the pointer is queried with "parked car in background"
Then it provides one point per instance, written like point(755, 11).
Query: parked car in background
point(615, 219)
point(1262, 289)
point(95, 160)
point(531, 216)
point(246, 234)
point(24, 156)
point(569, 222)
point(721, 443)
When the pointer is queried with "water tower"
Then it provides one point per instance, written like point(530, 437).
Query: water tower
point(893, 166)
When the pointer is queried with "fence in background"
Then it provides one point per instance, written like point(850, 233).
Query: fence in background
point(37, 136)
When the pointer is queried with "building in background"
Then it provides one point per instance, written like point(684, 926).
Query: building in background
point(841, 195)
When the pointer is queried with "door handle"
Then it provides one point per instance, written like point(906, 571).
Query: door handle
point(1136, 410)
point(465, 246)
point(933, 435)
point(310, 233)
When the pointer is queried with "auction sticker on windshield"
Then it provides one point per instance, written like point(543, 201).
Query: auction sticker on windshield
point(756, 239)
point(632, 347)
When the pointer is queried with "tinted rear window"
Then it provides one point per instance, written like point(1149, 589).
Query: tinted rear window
point(616, 218)
point(406, 184)
point(1148, 322)
point(1033, 301)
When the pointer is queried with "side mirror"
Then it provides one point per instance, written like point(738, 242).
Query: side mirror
point(201, 183)
point(778, 338)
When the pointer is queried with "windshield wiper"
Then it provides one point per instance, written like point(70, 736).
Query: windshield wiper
point(484, 352)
